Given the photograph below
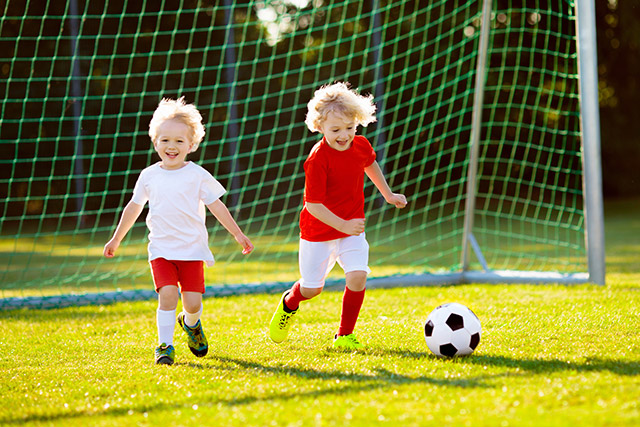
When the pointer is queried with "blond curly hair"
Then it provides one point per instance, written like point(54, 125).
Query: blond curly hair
point(171, 109)
point(340, 99)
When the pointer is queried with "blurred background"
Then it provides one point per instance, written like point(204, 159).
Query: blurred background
point(80, 80)
point(618, 26)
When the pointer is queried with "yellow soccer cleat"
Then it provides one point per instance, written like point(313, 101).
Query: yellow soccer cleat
point(281, 322)
point(346, 342)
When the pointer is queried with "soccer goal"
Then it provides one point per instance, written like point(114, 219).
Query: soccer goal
point(487, 121)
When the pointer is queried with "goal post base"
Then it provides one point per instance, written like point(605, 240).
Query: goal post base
point(478, 277)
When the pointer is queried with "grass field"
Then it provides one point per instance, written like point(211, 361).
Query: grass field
point(549, 355)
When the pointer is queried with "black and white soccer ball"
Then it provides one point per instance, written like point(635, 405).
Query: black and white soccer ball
point(452, 330)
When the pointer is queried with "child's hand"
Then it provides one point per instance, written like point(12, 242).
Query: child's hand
point(353, 227)
point(110, 248)
point(398, 200)
point(246, 244)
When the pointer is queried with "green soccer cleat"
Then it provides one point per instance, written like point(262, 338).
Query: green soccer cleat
point(164, 354)
point(346, 342)
point(195, 335)
point(281, 322)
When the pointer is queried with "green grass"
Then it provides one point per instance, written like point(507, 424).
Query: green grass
point(549, 355)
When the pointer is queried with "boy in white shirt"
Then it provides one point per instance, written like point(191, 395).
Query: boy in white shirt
point(177, 191)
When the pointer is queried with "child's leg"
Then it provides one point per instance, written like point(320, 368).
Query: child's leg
point(165, 279)
point(287, 308)
point(191, 278)
point(297, 294)
point(192, 307)
point(191, 275)
point(189, 320)
point(353, 257)
point(316, 260)
point(352, 301)
point(166, 314)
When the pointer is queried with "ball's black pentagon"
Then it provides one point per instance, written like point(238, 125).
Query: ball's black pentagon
point(428, 328)
point(475, 340)
point(455, 322)
point(448, 350)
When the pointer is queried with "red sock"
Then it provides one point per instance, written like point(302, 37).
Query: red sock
point(293, 298)
point(351, 304)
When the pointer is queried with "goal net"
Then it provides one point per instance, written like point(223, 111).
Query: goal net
point(480, 124)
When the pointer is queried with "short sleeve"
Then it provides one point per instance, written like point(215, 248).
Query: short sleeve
point(210, 189)
point(371, 155)
point(140, 194)
point(315, 187)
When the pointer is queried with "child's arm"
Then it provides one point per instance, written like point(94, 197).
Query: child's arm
point(222, 214)
point(129, 216)
point(352, 227)
point(374, 173)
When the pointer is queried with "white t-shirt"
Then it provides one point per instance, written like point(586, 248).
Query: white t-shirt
point(176, 217)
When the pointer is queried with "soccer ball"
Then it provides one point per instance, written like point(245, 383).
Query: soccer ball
point(452, 330)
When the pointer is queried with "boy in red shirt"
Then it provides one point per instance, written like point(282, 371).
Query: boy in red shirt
point(332, 218)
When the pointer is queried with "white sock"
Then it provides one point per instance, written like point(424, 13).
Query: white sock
point(166, 321)
point(190, 319)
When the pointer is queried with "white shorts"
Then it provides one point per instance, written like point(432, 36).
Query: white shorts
point(316, 259)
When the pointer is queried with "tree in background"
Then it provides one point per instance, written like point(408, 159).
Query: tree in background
point(618, 26)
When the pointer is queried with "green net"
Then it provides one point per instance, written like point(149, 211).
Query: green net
point(80, 81)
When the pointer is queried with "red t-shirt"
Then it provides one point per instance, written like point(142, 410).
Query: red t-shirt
point(335, 179)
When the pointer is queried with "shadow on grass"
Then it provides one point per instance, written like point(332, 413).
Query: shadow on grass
point(380, 378)
point(591, 364)
point(335, 382)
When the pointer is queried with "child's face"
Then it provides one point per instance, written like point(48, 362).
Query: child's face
point(173, 143)
point(338, 131)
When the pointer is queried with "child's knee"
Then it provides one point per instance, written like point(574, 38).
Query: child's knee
point(191, 301)
point(356, 280)
point(168, 297)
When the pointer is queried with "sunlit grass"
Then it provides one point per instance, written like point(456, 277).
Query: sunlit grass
point(549, 355)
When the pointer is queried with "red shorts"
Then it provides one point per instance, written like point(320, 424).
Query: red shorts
point(189, 275)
